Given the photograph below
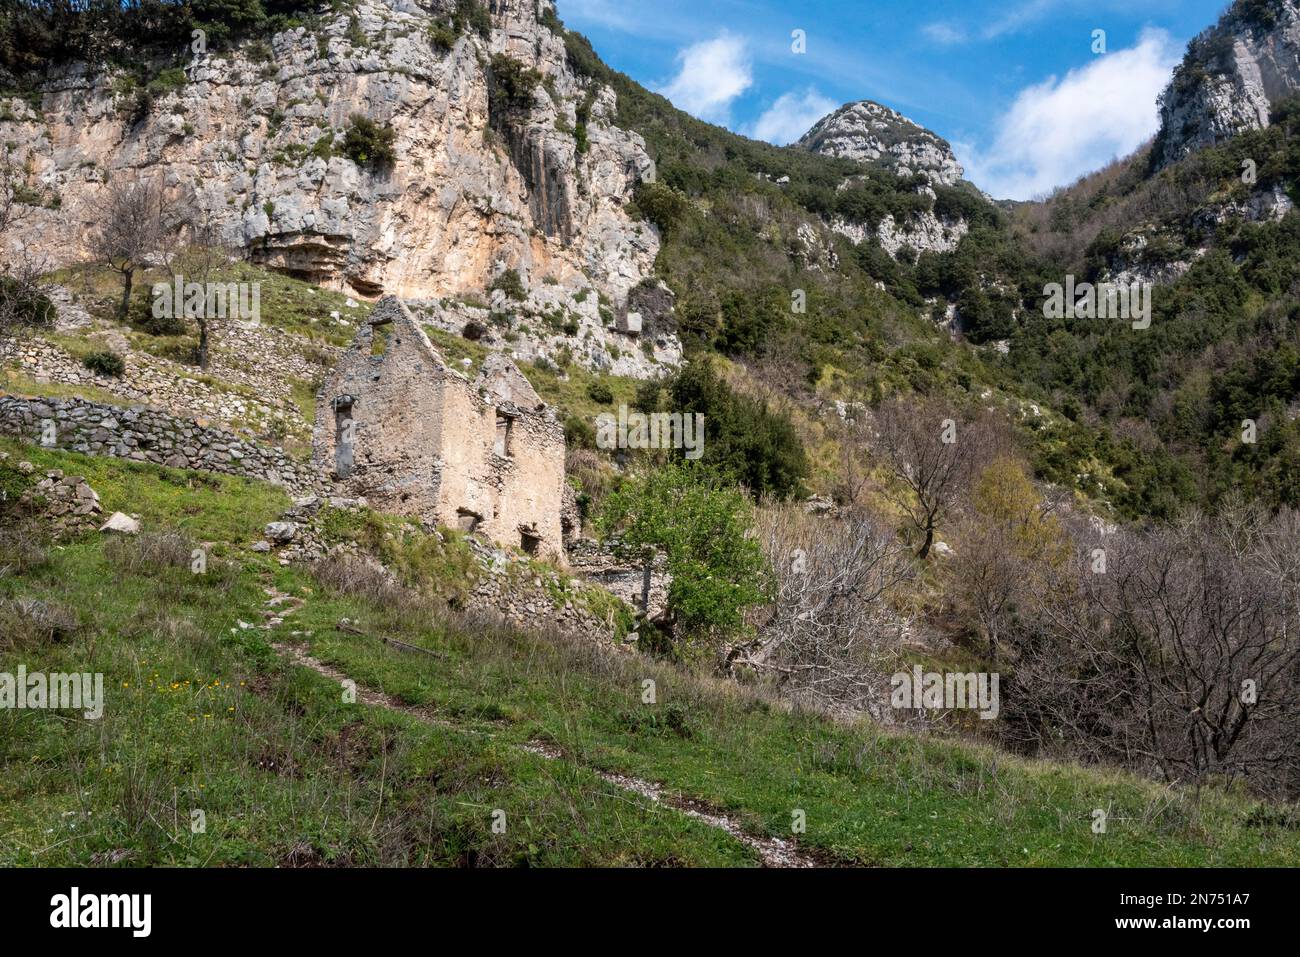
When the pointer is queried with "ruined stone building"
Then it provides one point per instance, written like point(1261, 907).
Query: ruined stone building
point(397, 425)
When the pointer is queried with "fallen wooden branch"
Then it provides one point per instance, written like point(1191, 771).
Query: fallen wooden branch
point(346, 625)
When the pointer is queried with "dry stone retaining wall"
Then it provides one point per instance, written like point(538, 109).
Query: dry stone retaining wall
point(143, 434)
point(260, 364)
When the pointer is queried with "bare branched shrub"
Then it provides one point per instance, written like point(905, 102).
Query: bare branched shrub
point(830, 638)
point(199, 259)
point(28, 623)
point(23, 546)
point(1181, 658)
point(595, 477)
point(362, 577)
point(1008, 539)
point(23, 303)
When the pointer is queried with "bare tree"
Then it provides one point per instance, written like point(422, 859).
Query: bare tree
point(932, 453)
point(200, 259)
point(22, 303)
point(830, 636)
point(136, 222)
point(1007, 540)
point(852, 433)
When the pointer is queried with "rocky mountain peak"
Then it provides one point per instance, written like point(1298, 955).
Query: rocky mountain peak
point(1231, 76)
point(872, 133)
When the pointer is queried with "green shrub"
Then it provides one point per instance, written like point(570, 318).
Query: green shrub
point(442, 37)
point(660, 204)
point(369, 144)
point(105, 363)
point(13, 486)
point(743, 439)
point(579, 433)
point(510, 90)
point(168, 81)
point(600, 392)
point(141, 316)
point(702, 527)
point(472, 15)
point(323, 147)
point(509, 283)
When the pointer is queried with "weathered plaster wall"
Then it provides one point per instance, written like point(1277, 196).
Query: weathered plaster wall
point(424, 438)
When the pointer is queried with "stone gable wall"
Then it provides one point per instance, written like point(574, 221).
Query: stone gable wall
point(425, 437)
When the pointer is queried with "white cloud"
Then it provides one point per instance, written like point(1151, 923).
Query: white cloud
point(1019, 17)
point(711, 74)
point(1013, 20)
point(1058, 130)
point(791, 116)
point(944, 34)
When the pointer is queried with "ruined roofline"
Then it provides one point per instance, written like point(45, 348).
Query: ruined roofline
point(500, 381)
point(391, 311)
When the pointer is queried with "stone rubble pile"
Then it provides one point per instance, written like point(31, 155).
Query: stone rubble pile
point(67, 502)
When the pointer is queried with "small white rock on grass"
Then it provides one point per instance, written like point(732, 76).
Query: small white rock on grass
point(122, 524)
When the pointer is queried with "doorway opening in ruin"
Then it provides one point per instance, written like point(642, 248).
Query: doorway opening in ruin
point(503, 439)
point(344, 436)
point(467, 521)
point(529, 541)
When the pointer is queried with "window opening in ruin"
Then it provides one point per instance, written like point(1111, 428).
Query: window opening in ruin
point(504, 427)
point(530, 542)
point(344, 436)
point(467, 521)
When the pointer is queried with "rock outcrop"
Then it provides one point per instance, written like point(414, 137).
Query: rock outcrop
point(1232, 76)
point(872, 133)
point(258, 135)
point(923, 233)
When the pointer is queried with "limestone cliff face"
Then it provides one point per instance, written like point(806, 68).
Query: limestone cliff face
point(249, 134)
point(1231, 76)
point(872, 133)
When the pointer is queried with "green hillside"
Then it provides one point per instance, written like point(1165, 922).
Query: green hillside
point(207, 715)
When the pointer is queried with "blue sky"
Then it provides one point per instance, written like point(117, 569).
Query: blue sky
point(1015, 86)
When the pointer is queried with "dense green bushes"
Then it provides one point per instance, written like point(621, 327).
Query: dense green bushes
point(105, 363)
point(510, 91)
point(23, 305)
point(369, 144)
point(744, 440)
point(702, 527)
point(35, 33)
point(508, 282)
point(467, 16)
